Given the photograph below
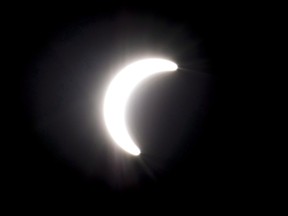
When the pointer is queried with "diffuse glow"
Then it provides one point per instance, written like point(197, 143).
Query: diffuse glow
point(118, 93)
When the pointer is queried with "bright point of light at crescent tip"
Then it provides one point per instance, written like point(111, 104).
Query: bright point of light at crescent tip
point(118, 93)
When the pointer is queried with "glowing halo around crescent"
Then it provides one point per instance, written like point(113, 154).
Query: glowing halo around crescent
point(118, 93)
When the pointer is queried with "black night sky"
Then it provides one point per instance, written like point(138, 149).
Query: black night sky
point(192, 126)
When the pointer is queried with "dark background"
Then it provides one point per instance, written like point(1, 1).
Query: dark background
point(199, 125)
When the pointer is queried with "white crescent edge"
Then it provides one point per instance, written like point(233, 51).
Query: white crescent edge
point(118, 93)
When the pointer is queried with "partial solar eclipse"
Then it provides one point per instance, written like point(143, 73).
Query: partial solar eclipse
point(118, 93)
